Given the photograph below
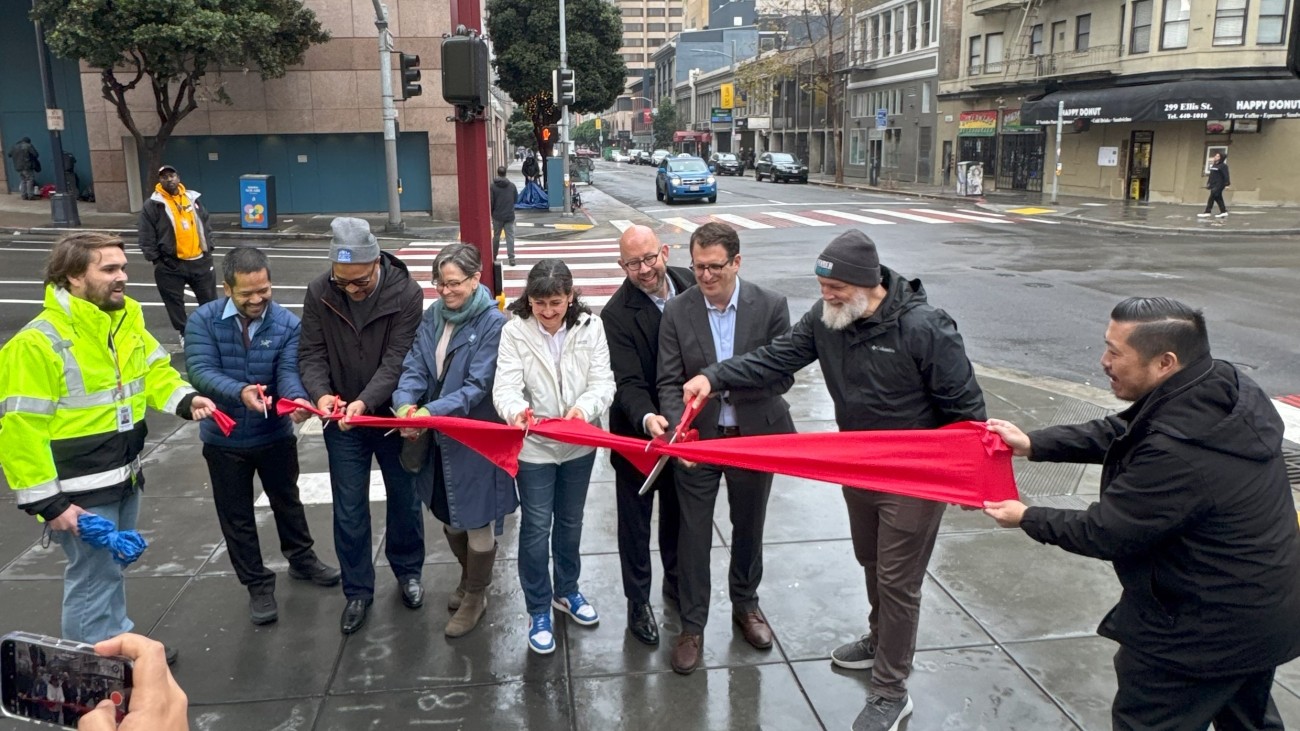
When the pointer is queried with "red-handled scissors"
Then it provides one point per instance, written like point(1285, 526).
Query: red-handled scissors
point(688, 416)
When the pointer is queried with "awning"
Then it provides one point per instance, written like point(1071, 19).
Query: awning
point(692, 136)
point(1174, 101)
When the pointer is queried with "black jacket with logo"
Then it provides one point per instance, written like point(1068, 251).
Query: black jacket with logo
point(1196, 516)
point(904, 367)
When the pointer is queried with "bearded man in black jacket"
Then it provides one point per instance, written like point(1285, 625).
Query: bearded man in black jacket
point(1196, 516)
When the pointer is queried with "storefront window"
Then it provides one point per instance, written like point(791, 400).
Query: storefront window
point(858, 147)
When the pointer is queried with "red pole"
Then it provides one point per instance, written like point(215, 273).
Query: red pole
point(471, 161)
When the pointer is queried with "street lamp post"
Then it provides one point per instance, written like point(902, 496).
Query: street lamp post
point(732, 57)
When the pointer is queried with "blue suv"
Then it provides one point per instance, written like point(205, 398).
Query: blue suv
point(685, 177)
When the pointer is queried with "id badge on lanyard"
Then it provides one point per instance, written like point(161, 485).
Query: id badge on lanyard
point(125, 419)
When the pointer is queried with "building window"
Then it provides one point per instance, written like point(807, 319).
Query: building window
point(886, 21)
point(1272, 22)
point(927, 17)
point(893, 147)
point(859, 107)
point(656, 12)
point(1035, 41)
point(900, 24)
point(654, 42)
point(1140, 35)
point(925, 97)
point(655, 27)
point(858, 147)
point(1230, 23)
point(1082, 32)
point(631, 12)
point(674, 27)
point(633, 42)
point(913, 26)
point(976, 55)
point(675, 12)
point(876, 43)
point(993, 53)
point(632, 27)
point(1174, 22)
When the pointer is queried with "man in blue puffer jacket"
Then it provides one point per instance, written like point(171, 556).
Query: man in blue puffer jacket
point(238, 347)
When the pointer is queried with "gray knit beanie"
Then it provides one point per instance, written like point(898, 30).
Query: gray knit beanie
point(352, 243)
point(851, 258)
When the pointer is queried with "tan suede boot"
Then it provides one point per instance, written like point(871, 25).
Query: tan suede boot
point(478, 577)
point(459, 543)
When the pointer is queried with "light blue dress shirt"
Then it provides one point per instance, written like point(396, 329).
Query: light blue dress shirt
point(723, 324)
point(232, 311)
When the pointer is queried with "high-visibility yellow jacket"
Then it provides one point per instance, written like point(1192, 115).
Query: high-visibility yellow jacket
point(74, 386)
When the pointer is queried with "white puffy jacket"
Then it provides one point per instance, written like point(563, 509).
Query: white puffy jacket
point(526, 377)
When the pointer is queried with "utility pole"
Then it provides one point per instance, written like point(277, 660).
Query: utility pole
point(63, 207)
point(564, 116)
point(390, 117)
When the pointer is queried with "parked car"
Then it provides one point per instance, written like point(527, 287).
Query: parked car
point(724, 163)
point(658, 156)
point(685, 177)
point(617, 156)
point(780, 166)
point(642, 157)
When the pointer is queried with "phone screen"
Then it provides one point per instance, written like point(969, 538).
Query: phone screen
point(44, 680)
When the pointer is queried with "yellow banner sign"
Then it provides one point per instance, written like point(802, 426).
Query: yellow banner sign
point(728, 96)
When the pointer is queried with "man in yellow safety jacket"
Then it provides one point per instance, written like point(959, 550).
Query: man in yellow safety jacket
point(74, 386)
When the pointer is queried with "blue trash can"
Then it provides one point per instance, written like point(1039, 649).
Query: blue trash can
point(256, 201)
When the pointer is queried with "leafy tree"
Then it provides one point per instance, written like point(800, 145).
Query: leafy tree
point(665, 123)
point(174, 44)
point(520, 134)
point(526, 41)
point(586, 133)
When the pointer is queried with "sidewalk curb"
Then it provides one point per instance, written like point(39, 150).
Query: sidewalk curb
point(1089, 394)
point(1198, 231)
point(887, 191)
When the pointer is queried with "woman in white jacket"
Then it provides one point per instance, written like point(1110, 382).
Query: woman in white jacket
point(554, 362)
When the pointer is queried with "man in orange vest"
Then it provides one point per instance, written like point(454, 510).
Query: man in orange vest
point(174, 238)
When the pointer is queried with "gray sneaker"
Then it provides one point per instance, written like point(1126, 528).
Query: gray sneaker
point(883, 714)
point(262, 608)
point(857, 655)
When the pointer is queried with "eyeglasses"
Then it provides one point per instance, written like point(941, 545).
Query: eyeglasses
point(644, 262)
point(714, 269)
point(452, 283)
point(360, 283)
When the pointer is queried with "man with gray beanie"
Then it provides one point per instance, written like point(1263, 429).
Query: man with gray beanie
point(891, 361)
point(358, 322)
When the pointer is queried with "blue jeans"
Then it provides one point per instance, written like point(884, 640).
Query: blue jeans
point(94, 589)
point(546, 492)
point(350, 454)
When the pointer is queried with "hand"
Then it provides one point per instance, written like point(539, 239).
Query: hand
point(67, 520)
point(201, 408)
point(696, 388)
point(298, 415)
point(1011, 434)
point(326, 403)
point(520, 420)
point(576, 413)
point(252, 399)
point(1008, 513)
point(656, 426)
point(157, 702)
point(355, 408)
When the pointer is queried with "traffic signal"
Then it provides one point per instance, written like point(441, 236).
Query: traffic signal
point(466, 74)
point(546, 134)
point(410, 64)
point(564, 88)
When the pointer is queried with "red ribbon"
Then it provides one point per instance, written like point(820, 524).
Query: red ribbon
point(224, 422)
point(962, 463)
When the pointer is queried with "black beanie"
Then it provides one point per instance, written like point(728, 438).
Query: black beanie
point(851, 258)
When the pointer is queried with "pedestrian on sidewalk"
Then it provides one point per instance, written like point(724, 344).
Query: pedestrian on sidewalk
point(76, 383)
point(721, 316)
point(27, 161)
point(530, 170)
point(1196, 516)
point(239, 349)
point(553, 363)
point(358, 322)
point(450, 372)
point(174, 234)
point(891, 361)
point(504, 194)
point(1217, 182)
point(631, 320)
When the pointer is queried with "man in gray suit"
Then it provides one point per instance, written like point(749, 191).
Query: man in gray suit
point(719, 318)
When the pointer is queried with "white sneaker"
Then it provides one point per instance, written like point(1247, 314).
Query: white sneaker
point(1202, 215)
point(1222, 215)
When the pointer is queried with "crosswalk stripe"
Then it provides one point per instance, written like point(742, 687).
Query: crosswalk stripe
point(797, 219)
point(622, 224)
point(854, 217)
point(905, 216)
point(1290, 419)
point(963, 216)
point(740, 220)
point(685, 225)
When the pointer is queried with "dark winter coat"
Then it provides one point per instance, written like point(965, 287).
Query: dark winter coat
point(478, 492)
point(904, 367)
point(530, 168)
point(157, 231)
point(25, 157)
point(220, 367)
point(1219, 178)
point(1197, 518)
point(359, 360)
point(631, 321)
point(504, 194)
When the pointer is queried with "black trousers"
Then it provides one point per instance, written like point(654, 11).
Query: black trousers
point(1216, 196)
point(1153, 698)
point(634, 512)
point(232, 473)
point(697, 493)
point(171, 275)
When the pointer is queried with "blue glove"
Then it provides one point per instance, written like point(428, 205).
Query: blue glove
point(126, 546)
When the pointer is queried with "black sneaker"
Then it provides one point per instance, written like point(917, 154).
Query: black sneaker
point(883, 714)
point(315, 571)
point(857, 655)
point(262, 608)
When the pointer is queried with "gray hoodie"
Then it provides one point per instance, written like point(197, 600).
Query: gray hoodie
point(504, 195)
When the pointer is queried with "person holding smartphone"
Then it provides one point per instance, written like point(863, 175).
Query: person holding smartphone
point(157, 702)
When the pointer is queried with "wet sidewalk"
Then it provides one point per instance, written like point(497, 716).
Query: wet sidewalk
point(1006, 641)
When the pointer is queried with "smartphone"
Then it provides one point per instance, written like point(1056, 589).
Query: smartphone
point(54, 681)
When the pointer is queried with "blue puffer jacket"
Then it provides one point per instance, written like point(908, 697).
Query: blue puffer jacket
point(220, 367)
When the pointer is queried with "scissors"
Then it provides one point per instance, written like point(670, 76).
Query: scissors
point(266, 401)
point(687, 417)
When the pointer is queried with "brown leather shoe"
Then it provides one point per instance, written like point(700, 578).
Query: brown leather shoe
point(686, 653)
point(755, 628)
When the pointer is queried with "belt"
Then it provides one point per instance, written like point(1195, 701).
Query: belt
point(728, 431)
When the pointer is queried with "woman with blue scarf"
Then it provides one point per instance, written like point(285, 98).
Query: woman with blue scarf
point(449, 372)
